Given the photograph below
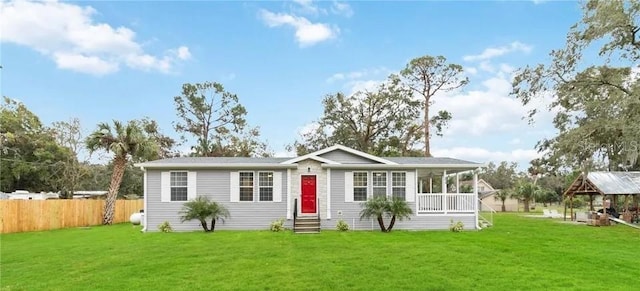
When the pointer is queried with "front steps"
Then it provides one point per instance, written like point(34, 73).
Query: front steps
point(307, 225)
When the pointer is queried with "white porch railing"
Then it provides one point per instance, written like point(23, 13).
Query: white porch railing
point(439, 203)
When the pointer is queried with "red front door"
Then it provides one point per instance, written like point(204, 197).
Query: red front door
point(308, 193)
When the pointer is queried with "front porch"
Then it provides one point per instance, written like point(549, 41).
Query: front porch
point(441, 193)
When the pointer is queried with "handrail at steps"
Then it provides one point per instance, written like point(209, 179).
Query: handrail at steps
point(295, 212)
point(491, 212)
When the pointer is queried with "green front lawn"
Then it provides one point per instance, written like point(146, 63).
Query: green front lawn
point(518, 253)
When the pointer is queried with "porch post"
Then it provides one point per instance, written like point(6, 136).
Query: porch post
point(458, 183)
point(475, 195)
point(430, 185)
point(445, 204)
point(420, 185)
point(289, 214)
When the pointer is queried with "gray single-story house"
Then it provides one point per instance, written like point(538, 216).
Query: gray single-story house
point(329, 184)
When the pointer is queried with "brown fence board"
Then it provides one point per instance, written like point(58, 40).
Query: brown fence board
point(36, 215)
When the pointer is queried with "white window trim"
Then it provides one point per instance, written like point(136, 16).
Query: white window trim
point(253, 187)
point(171, 187)
point(257, 199)
point(386, 183)
point(367, 174)
point(403, 187)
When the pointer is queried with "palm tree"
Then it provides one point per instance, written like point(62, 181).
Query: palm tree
point(375, 207)
point(381, 206)
point(124, 141)
point(202, 209)
point(502, 195)
point(399, 209)
point(527, 191)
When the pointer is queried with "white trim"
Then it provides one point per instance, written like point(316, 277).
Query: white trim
point(317, 196)
point(453, 167)
point(368, 187)
point(145, 202)
point(328, 193)
point(277, 186)
point(237, 166)
point(273, 187)
point(386, 183)
point(289, 215)
point(475, 192)
point(339, 147)
point(450, 214)
point(409, 185)
point(312, 157)
point(165, 187)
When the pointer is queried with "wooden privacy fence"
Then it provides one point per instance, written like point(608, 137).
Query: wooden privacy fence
point(35, 215)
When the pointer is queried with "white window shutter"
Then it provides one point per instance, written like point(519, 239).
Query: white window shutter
point(165, 186)
point(410, 187)
point(348, 186)
point(192, 187)
point(234, 184)
point(277, 187)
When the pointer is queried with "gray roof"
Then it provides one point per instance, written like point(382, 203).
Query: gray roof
point(430, 160)
point(616, 182)
point(219, 160)
point(260, 160)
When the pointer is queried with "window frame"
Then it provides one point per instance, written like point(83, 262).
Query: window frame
point(172, 186)
point(403, 186)
point(260, 186)
point(366, 185)
point(373, 183)
point(252, 186)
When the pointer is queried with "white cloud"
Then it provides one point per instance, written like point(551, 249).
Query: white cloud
point(521, 156)
point(471, 70)
point(515, 141)
point(490, 53)
point(307, 33)
point(341, 8)
point(307, 7)
point(68, 34)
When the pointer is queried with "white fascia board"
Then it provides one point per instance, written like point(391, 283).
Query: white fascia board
point(338, 147)
point(396, 166)
point(217, 166)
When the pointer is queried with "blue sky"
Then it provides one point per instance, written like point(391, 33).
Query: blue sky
point(106, 60)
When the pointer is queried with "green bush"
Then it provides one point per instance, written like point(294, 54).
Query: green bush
point(201, 209)
point(456, 227)
point(165, 227)
point(342, 225)
point(277, 225)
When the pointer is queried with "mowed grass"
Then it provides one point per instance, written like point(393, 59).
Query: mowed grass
point(518, 253)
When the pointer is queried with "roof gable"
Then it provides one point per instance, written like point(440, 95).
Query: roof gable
point(357, 153)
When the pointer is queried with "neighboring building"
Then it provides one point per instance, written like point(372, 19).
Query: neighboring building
point(26, 195)
point(89, 194)
point(487, 195)
point(330, 184)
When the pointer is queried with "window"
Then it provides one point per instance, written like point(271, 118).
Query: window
point(398, 184)
point(246, 186)
point(379, 184)
point(360, 186)
point(266, 186)
point(178, 186)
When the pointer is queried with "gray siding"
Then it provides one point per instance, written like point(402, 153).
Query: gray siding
point(351, 213)
point(346, 158)
point(215, 185)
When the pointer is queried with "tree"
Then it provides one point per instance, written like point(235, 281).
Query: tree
point(594, 97)
point(502, 196)
point(217, 120)
point(382, 122)
point(165, 144)
point(30, 157)
point(501, 177)
point(124, 141)
point(69, 134)
point(426, 76)
point(526, 191)
point(202, 209)
point(379, 207)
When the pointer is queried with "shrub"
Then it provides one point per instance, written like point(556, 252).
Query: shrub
point(165, 227)
point(456, 227)
point(277, 225)
point(202, 209)
point(381, 206)
point(342, 225)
